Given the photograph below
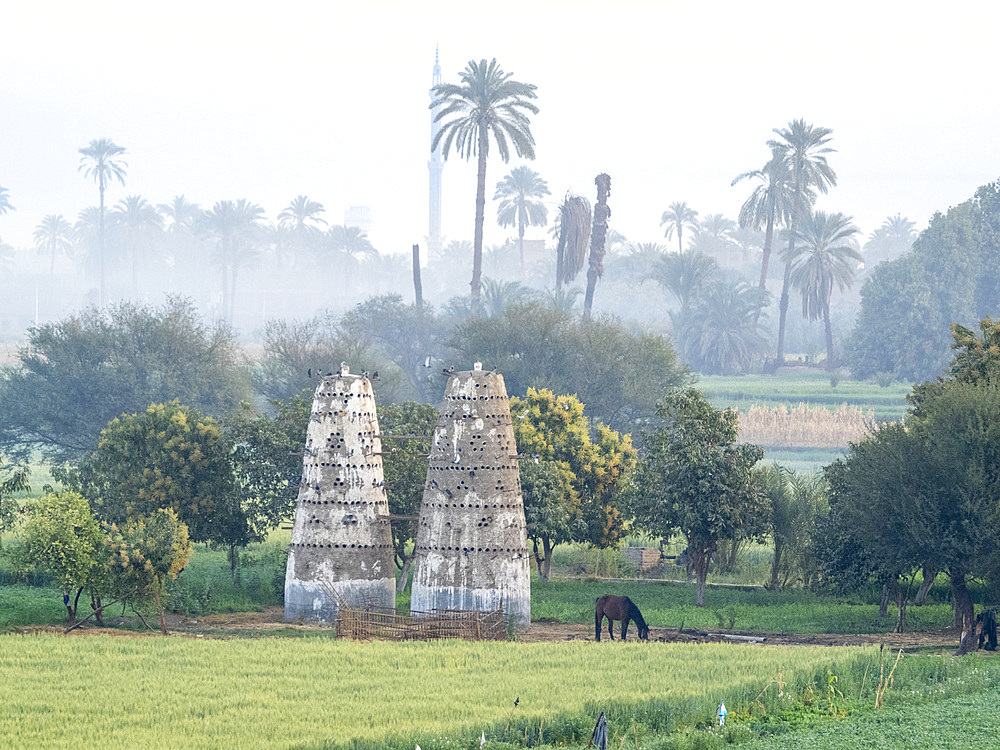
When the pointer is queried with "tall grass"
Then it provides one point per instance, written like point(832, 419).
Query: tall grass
point(804, 425)
point(174, 692)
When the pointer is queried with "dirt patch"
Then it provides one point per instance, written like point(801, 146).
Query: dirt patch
point(271, 622)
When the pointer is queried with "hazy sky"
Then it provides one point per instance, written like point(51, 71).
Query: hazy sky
point(264, 100)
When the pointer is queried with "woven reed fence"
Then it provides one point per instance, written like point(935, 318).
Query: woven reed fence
point(385, 625)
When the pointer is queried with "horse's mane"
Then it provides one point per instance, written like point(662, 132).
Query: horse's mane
point(634, 614)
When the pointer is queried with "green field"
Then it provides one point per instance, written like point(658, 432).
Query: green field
point(176, 692)
point(744, 391)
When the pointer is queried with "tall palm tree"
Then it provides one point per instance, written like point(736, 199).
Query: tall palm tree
point(5, 205)
point(139, 225)
point(516, 193)
point(685, 275)
point(826, 257)
point(487, 103)
point(348, 244)
point(55, 237)
point(676, 218)
point(180, 220)
point(302, 219)
point(598, 237)
point(102, 161)
point(770, 203)
point(803, 148)
point(236, 228)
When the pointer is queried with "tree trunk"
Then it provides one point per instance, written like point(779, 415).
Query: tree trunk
point(520, 244)
point(418, 289)
point(830, 361)
point(929, 574)
point(234, 559)
point(768, 241)
point(477, 248)
point(900, 607)
point(701, 556)
point(783, 303)
point(779, 550)
point(883, 607)
point(404, 573)
point(598, 237)
point(159, 606)
point(100, 241)
point(71, 609)
point(547, 548)
point(965, 614)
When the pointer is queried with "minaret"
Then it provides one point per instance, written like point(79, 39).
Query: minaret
point(434, 166)
point(471, 547)
point(341, 549)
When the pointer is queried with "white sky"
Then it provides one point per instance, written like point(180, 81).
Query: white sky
point(223, 100)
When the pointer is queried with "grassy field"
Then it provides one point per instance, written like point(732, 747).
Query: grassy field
point(163, 692)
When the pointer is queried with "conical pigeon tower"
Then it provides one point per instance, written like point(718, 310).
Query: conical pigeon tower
point(471, 549)
point(341, 548)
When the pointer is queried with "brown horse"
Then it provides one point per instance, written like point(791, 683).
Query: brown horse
point(619, 608)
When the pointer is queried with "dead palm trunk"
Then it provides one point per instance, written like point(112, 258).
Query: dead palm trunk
point(418, 289)
point(598, 237)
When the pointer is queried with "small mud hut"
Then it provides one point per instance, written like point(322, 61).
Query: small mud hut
point(341, 550)
point(471, 548)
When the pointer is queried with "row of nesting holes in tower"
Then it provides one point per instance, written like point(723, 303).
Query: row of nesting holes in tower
point(495, 467)
point(435, 548)
point(341, 546)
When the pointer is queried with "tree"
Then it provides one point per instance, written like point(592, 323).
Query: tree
point(826, 256)
point(551, 509)
point(150, 550)
point(516, 193)
point(302, 218)
point(78, 374)
point(694, 478)
point(598, 459)
point(102, 161)
point(803, 149)
point(719, 333)
point(685, 275)
point(770, 203)
point(574, 234)
point(797, 502)
point(138, 225)
point(15, 481)
point(404, 465)
point(54, 236)
point(675, 219)
point(5, 204)
point(169, 456)
point(597, 239)
point(236, 228)
point(487, 103)
point(62, 538)
point(620, 378)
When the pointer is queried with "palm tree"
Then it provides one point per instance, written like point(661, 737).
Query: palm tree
point(55, 237)
point(597, 239)
point(5, 205)
point(236, 228)
point(713, 235)
point(676, 218)
point(803, 149)
point(685, 275)
point(517, 207)
point(826, 257)
point(574, 234)
point(302, 218)
point(138, 224)
point(101, 160)
point(719, 333)
point(348, 244)
point(770, 203)
point(486, 103)
point(892, 239)
point(180, 218)
point(499, 295)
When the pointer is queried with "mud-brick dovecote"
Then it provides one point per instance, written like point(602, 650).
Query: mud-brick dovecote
point(471, 548)
point(341, 548)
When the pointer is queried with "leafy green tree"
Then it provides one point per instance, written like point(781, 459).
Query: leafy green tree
point(169, 456)
point(535, 346)
point(517, 193)
point(101, 159)
point(15, 481)
point(694, 478)
point(404, 464)
point(148, 551)
point(825, 257)
point(598, 459)
point(78, 374)
point(551, 509)
point(488, 103)
point(803, 149)
point(54, 236)
point(62, 538)
point(675, 218)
